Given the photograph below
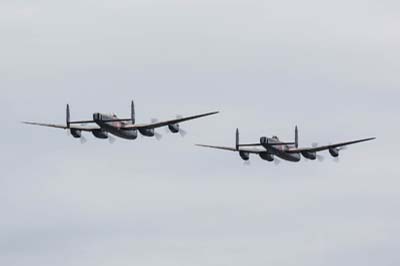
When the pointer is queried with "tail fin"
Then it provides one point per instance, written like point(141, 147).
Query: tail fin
point(68, 117)
point(133, 112)
point(237, 139)
point(296, 137)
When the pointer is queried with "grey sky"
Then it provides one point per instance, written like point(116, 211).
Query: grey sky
point(329, 67)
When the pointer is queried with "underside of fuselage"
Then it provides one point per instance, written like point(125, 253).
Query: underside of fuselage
point(273, 146)
point(118, 128)
point(282, 154)
point(115, 128)
point(119, 132)
point(291, 157)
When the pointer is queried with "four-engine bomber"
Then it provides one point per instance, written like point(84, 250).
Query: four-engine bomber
point(102, 126)
point(126, 128)
point(270, 148)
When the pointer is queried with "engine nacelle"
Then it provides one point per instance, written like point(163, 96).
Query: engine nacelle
point(174, 128)
point(267, 156)
point(309, 155)
point(147, 132)
point(76, 133)
point(244, 155)
point(101, 134)
point(130, 133)
point(334, 152)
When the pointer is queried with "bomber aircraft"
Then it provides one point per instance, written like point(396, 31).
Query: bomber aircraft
point(270, 148)
point(126, 128)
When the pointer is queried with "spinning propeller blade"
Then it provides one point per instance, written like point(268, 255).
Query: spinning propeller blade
point(83, 139)
point(320, 158)
point(111, 139)
point(157, 135)
point(182, 132)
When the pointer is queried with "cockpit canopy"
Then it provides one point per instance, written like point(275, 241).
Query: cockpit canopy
point(109, 116)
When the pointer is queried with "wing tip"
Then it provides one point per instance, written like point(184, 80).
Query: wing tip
point(201, 145)
point(204, 145)
point(212, 113)
point(369, 139)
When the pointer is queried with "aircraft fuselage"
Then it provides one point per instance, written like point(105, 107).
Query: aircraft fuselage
point(114, 128)
point(280, 150)
point(281, 153)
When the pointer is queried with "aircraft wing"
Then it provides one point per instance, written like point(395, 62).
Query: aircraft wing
point(327, 147)
point(232, 149)
point(77, 127)
point(167, 122)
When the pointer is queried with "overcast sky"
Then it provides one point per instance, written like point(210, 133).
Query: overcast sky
point(330, 67)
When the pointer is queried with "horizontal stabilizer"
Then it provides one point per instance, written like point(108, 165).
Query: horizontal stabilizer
point(269, 144)
point(103, 120)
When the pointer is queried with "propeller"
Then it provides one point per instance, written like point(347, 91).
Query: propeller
point(337, 159)
point(277, 161)
point(182, 132)
point(246, 163)
point(320, 158)
point(111, 139)
point(157, 135)
point(83, 139)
